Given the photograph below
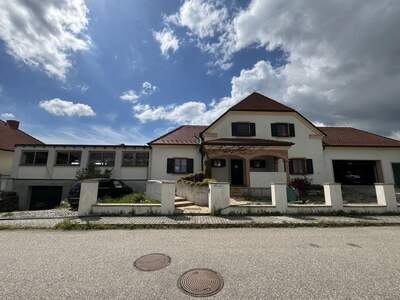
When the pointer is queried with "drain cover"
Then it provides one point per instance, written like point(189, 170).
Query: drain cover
point(152, 262)
point(201, 282)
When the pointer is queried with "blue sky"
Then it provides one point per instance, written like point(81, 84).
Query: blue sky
point(127, 71)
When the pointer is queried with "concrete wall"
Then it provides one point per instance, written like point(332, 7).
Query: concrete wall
point(264, 179)
point(386, 156)
point(6, 162)
point(160, 154)
point(307, 140)
point(193, 193)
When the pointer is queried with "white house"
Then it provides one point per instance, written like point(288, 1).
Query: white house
point(254, 143)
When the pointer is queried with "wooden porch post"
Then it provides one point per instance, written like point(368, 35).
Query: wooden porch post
point(247, 171)
point(287, 170)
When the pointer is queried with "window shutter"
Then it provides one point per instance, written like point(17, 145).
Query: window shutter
point(291, 130)
point(189, 164)
point(274, 130)
point(252, 129)
point(170, 165)
point(290, 166)
point(310, 168)
point(234, 129)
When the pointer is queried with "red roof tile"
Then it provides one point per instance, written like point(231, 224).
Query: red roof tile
point(183, 135)
point(352, 137)
point(259, 102)
point(247, 142)
point(10, 137)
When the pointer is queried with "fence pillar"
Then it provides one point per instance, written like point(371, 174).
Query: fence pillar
point(88, 196)
point(218, 196)
point(279, 196)
point(333, 196)
point(385, 195)
point(167, 197)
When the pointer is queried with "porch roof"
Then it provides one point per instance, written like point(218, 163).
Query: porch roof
point(247, 142)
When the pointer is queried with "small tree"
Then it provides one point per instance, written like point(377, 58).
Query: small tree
point(92, 171)
point(301, 185)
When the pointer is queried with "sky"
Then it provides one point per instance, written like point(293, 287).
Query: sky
point(113, 72)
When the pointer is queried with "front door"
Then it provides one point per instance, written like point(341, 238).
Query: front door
point(237, 172)
point(396, 173)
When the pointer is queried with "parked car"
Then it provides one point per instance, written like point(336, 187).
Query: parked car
point(112, 188)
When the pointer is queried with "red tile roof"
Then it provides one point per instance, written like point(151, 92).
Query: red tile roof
point(247, 142)
point(256, 101)
point(10, 137)
point(352, 137)
point(183, 135)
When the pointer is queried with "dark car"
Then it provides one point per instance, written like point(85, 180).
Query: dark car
point(108, 188)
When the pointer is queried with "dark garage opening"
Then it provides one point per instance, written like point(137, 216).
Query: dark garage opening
point(45, 197)
point(355, 172)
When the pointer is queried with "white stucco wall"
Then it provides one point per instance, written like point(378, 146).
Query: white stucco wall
point(307, 140)
point(386, 156)
point(6, 161)
point(264, 179)
point(160, 154)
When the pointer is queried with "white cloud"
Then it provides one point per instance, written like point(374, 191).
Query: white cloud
point(44, 33)
point(202, 18)
point(7, 116)
point(187, 112)
point(129, 95)
point(148, 88)
point(60, 107)
point(169, 43)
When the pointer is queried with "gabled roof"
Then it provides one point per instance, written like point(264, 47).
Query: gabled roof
point(183, 135)
point(9, 137)
point(258, 102)
point(352, 137)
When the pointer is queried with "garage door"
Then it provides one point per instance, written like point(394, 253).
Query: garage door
point(360, 172)
point(45, 197)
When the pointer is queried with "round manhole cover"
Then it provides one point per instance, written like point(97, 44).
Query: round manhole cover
point(201, 282)
point(152, 262)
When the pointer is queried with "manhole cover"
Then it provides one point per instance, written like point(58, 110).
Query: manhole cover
point(152, 262)
point(201, 282)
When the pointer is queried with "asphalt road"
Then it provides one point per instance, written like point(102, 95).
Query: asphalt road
point(271, 263)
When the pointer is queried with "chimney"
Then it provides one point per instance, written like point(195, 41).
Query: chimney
point(14, 124)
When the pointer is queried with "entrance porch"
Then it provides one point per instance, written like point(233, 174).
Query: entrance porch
point(255, 165)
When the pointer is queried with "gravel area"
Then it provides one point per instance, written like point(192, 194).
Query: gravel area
point(39, 214)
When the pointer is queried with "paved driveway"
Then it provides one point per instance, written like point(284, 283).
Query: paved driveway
point(284, 263)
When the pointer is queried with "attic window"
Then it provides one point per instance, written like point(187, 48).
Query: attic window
point(282, 130)
point(243, 129)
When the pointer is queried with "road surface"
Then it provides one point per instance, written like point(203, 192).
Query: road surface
point(270, 263)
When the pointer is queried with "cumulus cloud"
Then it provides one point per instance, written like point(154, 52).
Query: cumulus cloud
point(43, 34)
point(129, 95)
point(7, 116)
point(340, 57)
point(148, 88)
point(169, 43)
point(61, 107)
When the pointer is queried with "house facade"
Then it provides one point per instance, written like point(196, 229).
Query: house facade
point(259, 141)
point(254, 143)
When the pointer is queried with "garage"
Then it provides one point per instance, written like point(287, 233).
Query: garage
point(45, 197)
point(355, 172)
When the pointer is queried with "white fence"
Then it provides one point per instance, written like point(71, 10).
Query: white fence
point(385, 193)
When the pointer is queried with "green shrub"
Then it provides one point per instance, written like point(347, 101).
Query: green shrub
point(199, 179)
point(130, 198)
point(92, 172)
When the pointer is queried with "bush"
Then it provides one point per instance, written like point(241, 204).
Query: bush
point(197, 179)
point(301, 185)
point(130, 198)
point(92, 172)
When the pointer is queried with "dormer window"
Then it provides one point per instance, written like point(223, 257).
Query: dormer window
point(282, 130)
point(243, 129)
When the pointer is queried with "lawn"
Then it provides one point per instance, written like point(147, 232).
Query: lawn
point(131, 198)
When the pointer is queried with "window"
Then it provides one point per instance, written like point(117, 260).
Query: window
point(34, 158)
point(282, 130)
point(135, 159)
point(301, 166)
point(101, 159)
point(68, 158)
point(243, 129)
point(258, 164)
point(179, 165)
point(218, 163)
